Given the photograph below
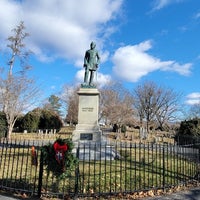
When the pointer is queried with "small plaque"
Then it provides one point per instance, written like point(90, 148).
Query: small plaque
point(86, 136)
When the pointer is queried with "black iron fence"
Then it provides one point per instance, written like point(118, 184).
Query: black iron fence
point(102, 168)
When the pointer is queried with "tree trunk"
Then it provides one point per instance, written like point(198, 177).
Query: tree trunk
point(9, 131)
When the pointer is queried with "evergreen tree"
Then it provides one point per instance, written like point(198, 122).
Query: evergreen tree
point(54, 104)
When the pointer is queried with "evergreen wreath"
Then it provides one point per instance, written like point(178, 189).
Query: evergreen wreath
point(58, 157)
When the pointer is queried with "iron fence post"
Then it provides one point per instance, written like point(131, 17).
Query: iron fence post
point(40, 175)
point(163, 166)
point(77, 173)
point(199, 154)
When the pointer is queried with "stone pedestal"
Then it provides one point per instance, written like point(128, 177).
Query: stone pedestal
point(87, 129)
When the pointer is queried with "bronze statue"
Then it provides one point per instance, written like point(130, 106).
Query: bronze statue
point(91, 62)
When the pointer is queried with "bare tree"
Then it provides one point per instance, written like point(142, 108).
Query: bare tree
point(18, 92)
point(53, 104)
point(194, 111)
point(116, 104)
point(69, 98)
point(168, 107)
point(155, 104)
point(145, 103)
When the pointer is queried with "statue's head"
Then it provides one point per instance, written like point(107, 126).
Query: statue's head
point(92, 45)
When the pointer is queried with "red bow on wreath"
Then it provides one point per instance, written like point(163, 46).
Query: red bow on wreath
point(60, 150)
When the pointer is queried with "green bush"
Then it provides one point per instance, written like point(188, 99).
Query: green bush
point(49, 120)
point(188, 132)
point(39, 119)
point(30, 121)
point(123, 128)
point(3, 125)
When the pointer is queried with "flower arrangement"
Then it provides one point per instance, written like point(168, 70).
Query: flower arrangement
point(58, 157)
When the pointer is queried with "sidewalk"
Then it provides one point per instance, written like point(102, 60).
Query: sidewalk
point(9, 196)
point(2, 197)
point(192, 194)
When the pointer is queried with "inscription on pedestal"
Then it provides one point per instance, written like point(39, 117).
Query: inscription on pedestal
point(87, 109)
point(86, 136)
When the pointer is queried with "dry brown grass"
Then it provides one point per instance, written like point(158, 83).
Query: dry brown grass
point(65, 132)
point(131, 136)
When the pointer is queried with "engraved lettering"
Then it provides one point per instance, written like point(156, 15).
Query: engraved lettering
point(87, 109)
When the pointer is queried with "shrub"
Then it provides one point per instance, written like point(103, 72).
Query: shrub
point(40, 119)
point(115, 128)
point(123, 128)
point(30, 121)
point(49, 120)
point(188, 132)
point(3, 125)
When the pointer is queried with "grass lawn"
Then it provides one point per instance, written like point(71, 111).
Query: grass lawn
point(138, 168)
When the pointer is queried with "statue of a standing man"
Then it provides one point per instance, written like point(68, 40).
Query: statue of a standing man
point(91, 61)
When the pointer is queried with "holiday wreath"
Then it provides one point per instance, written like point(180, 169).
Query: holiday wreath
point(58, 157)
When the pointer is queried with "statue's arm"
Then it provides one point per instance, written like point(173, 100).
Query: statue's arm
point(98, 58)
point(85, 59)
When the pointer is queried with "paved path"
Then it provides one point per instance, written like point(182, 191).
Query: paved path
point(193, 194)
point(2, 197)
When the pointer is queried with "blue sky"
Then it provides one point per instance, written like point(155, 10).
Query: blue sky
point(138, 40)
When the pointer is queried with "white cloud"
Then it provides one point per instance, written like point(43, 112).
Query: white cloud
point(59, 28)
point(10, 15)
point(197, 16)
point(193, 98)
point(79, 76)
point(103, 79)
point(159, 4)
point(133, 62)
point(194, 95)
point(192, 101)
point(100, 79)
point(173, 66)
point(53, 87)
